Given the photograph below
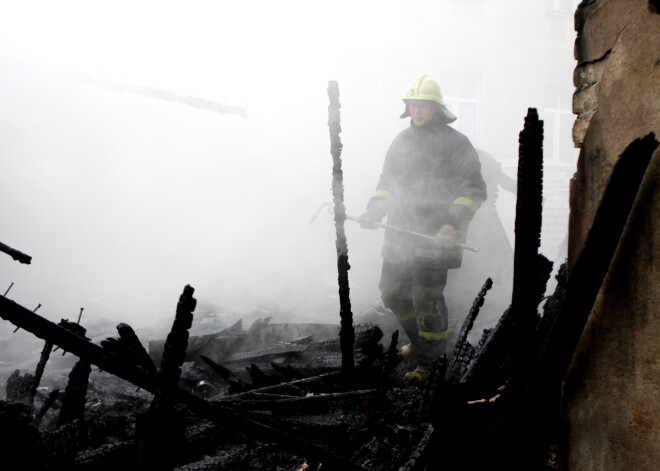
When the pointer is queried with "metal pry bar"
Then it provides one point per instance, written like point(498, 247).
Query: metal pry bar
point(418, 234)
point(394, 228)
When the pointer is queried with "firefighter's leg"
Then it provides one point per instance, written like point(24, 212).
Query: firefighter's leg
point(395, 287)
point(430, 312)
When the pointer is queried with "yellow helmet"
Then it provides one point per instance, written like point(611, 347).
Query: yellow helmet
point(425, 88)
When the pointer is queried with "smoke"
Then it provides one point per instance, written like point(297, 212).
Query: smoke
point(123, 199)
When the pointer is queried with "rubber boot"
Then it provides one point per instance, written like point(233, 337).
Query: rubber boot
point(407, 350)
point(425, 352)
point(418, 375)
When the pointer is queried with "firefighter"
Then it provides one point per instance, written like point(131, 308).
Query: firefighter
point(430, 183)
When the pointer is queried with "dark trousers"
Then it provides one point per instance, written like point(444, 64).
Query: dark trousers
point(414, 291)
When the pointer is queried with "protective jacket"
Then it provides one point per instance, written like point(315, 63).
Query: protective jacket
point(431, 177)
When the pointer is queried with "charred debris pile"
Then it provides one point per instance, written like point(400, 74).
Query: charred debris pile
point(332, 399)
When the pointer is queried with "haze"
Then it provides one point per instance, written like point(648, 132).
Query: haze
point(122, 199)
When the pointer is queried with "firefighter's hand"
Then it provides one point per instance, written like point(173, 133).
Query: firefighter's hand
point(367, 221)
point(446, 237)
point(460, 216)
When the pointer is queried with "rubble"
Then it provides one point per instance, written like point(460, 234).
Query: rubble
point(259, 399)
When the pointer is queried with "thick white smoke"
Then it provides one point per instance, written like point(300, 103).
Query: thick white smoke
point(123, 199)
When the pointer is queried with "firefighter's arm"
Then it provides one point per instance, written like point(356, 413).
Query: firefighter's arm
point(471, 191)
point(379, 204)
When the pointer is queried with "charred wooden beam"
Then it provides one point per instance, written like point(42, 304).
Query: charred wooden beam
point(27, 390)
point(15, 254)
point(530, 269)
point(220, 343)
point(292, 387)
point(488, 366)
point(39, 370)
point(367, 345)
point(379, 371)
point(326, 429)
point(529, 207)
point(160, 94)
point(295, 362)
point(288, 372)
point(129, 347)
point(160, 432)
point(506, 351)
point(71, 417)
point(254, 396)
point(506, 348)
point(74, 343)
point(48, 403)
point(346, 334)
point(304, 404)
point(235, 384)
point(528, 420)
point(259, 378)
point(462, 349)
point(174, 352)
point(73, 402)
point(290, 351)
point(223, 416)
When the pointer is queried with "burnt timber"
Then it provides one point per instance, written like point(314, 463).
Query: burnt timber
point(15, 254)
point(490, 405)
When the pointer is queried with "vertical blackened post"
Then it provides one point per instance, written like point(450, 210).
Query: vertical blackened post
point(176, 344)
point(346, 333)
point(160, 432)
point(529, 266)
point(505, 353)
point(529, 206)
point(73, 402)
point(43, 359)
point(527, 293)
point(39, 371)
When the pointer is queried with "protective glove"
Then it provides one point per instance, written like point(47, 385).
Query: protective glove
point(368, 221)
point(446, 237)
point(377, 208)
point(460, 216)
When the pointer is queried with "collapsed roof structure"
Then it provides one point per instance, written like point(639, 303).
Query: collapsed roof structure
point(219, 402)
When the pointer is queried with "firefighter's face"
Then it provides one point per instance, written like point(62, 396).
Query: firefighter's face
point(422, 111)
